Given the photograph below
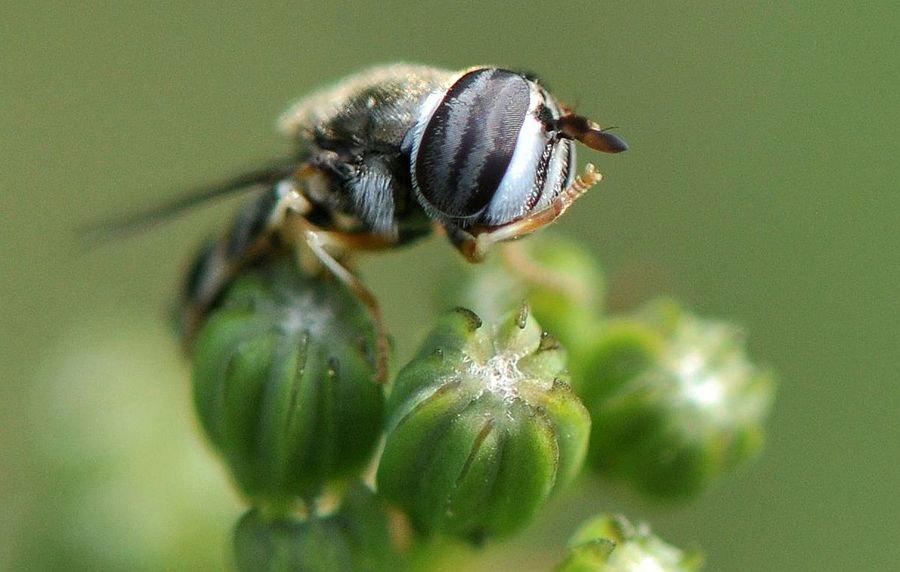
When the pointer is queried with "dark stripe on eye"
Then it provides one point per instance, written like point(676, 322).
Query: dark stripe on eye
point(470, 140)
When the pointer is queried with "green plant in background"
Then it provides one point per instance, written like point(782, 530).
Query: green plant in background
point(498, 410)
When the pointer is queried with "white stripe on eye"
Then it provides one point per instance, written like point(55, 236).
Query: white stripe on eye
point(509, 202)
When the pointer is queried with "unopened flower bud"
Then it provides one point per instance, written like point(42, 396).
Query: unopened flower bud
point(354, 538)
point(674, 399)
point(482, 427)
point(284, 383)
point(612, 544)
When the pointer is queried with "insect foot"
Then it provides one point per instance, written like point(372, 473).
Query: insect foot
point(482, 428)
point(284, 385)
point(675, 401)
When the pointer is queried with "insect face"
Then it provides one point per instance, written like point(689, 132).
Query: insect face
point(493, 148)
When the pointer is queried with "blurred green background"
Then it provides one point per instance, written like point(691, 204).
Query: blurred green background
point(762, 187)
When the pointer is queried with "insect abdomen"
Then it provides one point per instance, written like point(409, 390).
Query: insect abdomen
point(249, 239)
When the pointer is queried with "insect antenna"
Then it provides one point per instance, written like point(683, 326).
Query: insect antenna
point(105, 231)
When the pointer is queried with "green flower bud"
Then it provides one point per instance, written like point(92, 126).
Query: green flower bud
point(483, 428)
point(561, 281)
point(674, 400)
point(283, 383)
point(355, 538)
point(612, 544)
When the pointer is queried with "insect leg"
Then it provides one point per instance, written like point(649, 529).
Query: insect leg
point(475, 245)
point(318, 240)
point(519, 261)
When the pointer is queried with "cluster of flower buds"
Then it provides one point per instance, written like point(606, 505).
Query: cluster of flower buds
point(486, 422)
point(482, 425)
point(675, 402)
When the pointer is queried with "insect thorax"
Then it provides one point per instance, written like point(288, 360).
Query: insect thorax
point(354, 131)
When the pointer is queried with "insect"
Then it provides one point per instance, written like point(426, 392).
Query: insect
point(389, 155)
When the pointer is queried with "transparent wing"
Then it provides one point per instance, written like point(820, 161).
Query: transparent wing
point(127, 225)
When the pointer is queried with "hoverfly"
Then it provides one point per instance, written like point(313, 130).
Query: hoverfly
point(392, 154)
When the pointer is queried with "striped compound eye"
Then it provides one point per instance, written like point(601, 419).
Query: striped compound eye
point(486, 152)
